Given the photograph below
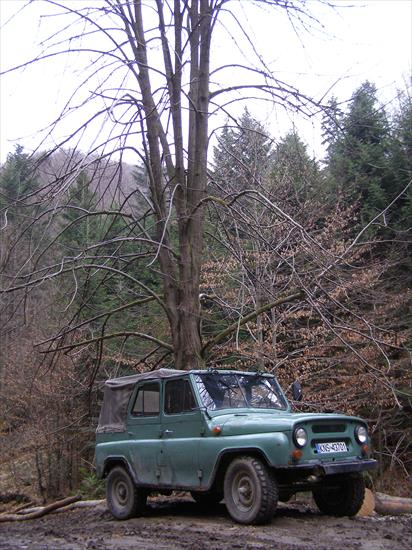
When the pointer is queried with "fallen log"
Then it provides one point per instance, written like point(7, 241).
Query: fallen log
point(42, 511)
point(392, 506)
point(81, 504)
point(19, 509)
point(77, 504)
point(368, 506)
point(22, 507)
point(24, 511)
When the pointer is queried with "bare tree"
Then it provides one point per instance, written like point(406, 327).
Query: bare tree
point(156, 90)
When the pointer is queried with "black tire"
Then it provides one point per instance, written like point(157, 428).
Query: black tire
point(124, 499)
point(341, 495)
point(207, 498)
point(250, 490)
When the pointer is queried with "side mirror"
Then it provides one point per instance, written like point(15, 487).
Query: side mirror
point(297, 391)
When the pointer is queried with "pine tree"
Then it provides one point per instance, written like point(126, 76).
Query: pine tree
point(93, 237)
point(80, 229)
point(243, 156)
point(358, 152)
point(295, 175)
point(331, 125)
point(18, 181)
point(401, 163)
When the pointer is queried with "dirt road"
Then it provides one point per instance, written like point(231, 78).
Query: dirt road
point(178, 523)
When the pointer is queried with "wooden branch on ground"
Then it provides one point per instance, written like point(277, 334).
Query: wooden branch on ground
point(42, 511)
point(392, 506)
point(20, 509)
point(82, 504)
point(77, 504)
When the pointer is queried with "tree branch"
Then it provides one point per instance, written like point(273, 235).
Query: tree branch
point(110, 336)
point(234, 326)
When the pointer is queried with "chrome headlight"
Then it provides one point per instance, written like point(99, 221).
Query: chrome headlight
point(361, 434)
point(300, 437)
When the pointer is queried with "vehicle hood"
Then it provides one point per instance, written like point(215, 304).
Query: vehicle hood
point(256, 422)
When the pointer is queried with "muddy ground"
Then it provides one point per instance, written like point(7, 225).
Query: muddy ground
point(177, 523)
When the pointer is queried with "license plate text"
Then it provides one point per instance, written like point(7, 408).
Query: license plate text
point(335, 447)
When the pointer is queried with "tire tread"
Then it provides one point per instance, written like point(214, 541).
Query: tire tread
point(139, 497)
point(352, 496)
point(268, 488)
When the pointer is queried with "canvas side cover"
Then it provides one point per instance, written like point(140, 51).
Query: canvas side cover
point(117, 393)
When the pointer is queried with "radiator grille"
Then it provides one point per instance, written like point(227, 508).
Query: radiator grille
point(328, 428)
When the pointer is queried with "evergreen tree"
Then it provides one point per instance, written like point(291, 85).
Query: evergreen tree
point(358, 151)
point(295, 175)
point(331, 125)
point(80, 230)
point(18, 180)
point(243, 155)
point(401, 163)
point(93, 237)
point(19, 239)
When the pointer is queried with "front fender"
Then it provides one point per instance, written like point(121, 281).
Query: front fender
point(273, 448)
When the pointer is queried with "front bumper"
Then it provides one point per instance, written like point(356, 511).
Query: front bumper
point(329, 468)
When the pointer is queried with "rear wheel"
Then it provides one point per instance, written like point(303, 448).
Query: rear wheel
point(124, 499)
point(207, 498)
point(250, 491)
point(341, 495)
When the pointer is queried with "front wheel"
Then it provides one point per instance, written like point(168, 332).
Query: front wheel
point(341, 495)
point(124, 499)
point(250, 490)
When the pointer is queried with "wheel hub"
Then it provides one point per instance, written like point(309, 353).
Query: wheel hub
point(243, 492)
point(121, 493)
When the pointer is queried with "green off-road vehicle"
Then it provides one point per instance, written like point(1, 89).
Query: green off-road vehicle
point(225, 435)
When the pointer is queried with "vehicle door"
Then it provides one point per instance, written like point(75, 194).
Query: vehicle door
point(182, 428)
point(143, 428)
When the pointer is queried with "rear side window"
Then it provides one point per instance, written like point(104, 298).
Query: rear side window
point(179, 397)
point(147, 402)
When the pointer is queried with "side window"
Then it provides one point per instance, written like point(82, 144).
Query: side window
point(147, 402)
point(179, 397)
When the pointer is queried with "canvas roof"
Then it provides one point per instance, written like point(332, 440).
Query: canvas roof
point(117, 393)
point(133, 378)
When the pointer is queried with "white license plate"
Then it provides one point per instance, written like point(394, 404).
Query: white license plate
point(335, 447)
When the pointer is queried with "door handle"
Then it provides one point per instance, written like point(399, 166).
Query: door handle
point(167, 432)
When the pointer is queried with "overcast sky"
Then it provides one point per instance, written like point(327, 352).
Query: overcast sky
point(371, 40)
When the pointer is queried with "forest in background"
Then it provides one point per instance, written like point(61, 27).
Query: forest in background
point(306, 273)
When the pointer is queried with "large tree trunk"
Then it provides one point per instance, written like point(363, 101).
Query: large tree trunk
point(174, 190)
point(187, 332)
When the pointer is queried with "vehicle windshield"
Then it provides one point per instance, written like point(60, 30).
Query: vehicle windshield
point(234, 391)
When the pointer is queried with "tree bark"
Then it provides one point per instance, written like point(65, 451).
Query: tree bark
point(183, 190)
point(392, 506)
